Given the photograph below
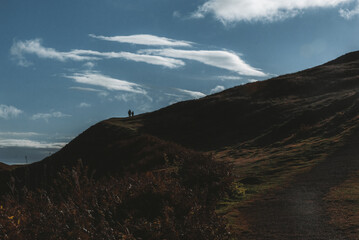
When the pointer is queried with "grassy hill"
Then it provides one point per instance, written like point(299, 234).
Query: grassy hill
point(270, 131)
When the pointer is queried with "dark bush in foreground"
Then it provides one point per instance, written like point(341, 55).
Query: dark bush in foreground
point(176, 202)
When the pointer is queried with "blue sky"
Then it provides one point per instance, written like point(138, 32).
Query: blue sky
point(65, 65)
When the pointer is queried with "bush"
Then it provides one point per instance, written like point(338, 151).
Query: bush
point(175, 203)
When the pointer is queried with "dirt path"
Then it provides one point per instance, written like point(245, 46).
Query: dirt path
point(297, 212)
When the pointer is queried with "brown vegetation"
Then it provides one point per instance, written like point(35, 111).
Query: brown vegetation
point(176, 202)
point(343, 205)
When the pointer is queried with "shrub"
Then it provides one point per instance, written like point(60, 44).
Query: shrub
point(177, 203)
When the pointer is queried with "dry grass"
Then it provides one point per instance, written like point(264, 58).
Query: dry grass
point(262, 171)
point(343, 205)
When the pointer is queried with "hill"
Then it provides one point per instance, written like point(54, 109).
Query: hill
point(319, 102)
point(272, 131)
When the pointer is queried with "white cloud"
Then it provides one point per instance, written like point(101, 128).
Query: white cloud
point(7, 112)
point(229, 78)
point(101, 93)
point(47, 116)
point(89, 65)
point(20, 48)
point(221, 59)
point(349, 14)
point(150, 59)
point(252, 80)
point(29, 144)
point(173, 95)
point(170, 58)
point(217, 89)
point(20, 139)
point(146, 39)
point(84, 105)
point(229, 11)
point(155, 60)
point(86, 89)
point(193, 94)
point(98, 79)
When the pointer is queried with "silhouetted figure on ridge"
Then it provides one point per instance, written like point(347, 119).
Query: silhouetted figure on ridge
point(132, 113)
point(129, 112)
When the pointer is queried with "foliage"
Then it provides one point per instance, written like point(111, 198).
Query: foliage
point(177, 202)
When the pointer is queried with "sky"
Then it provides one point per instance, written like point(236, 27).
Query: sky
point(66, 65)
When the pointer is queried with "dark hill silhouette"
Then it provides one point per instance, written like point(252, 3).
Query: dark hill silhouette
point(318, 101)
point(272, 130)
point(263, 112)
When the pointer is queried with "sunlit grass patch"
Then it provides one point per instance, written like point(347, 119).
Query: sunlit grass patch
point(274, 168)
point(343, 206)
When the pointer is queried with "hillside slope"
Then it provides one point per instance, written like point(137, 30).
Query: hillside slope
point(322, 101)
point(272, 131)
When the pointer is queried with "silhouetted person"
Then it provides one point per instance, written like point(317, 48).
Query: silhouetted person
point(132, 114)
point(129, 112)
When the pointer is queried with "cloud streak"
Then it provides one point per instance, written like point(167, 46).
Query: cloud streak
point(192, 94)
point(145, 39)
point(21, 48)
point(5, 143)
point(167, 57)
point(150, 59)
point(221, 59)
point(229, 11)
point(47, 116)
point(113, 84)
point(7, 112)
point(34, 46)
point(233, 78)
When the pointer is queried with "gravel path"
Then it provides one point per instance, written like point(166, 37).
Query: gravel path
point(297, 212)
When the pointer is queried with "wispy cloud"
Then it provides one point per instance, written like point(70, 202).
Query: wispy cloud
point(34, 46)
point(98, 79)
point(217, 89)
point(146, 39)
point(4, 143)
point(229, 78)
point(47, 116)
point(221, 59)
point(154, 60)
point(89, 65)
point(23, 140)
point(21, 48)
point(228, 11)
point(101, 93)
point(150, 59)
point(192, 94)
point(7, 112)
point(84, 105)
point(168, 57)
point(350, 13)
